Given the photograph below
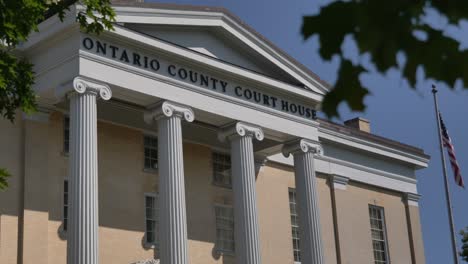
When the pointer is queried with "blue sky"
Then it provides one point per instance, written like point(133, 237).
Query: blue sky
point(395, 111)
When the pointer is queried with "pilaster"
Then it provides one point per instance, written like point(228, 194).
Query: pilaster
point(36, 183)
point(411, 201)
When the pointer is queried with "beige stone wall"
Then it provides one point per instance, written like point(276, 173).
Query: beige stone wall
point(353, 225)
point(123, 183)
point(11, 153)
point(273, 185)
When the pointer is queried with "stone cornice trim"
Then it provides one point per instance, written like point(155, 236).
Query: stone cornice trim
point(372, 147)
point(83, 85)
point(241, 129)
point(411, 198)
point(302, 145)
point(338, 182)
point(167, 109)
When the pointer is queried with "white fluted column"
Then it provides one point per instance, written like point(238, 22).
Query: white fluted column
point(82, 234)
point(243, 186)
point(307, 199)
point(172, 216)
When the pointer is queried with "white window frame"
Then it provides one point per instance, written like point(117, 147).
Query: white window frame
point(149, 168)
point(381, 211)
point(215, 182)
point(155, 243)
point(294, 226)
point(218, 238)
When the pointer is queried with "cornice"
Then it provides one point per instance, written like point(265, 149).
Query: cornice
point(191, 87)
point(369, 146)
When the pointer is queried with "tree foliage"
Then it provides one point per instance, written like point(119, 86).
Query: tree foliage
point(18, 19)
point(383, 29)
point(464, 252)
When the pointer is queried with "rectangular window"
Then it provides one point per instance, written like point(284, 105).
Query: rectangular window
point(151, 152)
point(66, 134)
point(379, 235)
point(65, 205)
point(224, 229)
point(151, 219)
point(294, 225)
point(222, 169)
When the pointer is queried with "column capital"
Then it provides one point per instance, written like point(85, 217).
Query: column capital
point(166, 109)
point(241, 129)
point(338, 182)
point(411, 198)
point(302, 145)
point(83, 85)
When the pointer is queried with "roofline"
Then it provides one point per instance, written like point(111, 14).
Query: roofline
point(372, 137)
point(227, 13)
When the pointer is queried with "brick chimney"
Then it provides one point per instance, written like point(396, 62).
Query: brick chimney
point(358, 123)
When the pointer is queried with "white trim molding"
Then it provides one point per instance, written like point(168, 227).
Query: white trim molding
point(412, 199)
point(338, 182)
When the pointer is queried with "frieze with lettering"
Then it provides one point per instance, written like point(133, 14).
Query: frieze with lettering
point(172, 70)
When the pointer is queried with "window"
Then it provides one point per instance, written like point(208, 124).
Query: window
point(222, 169)
point(294, 225)
point(379, 236)
point(65, 205)
point(66, 134)
point(151, 219)
point(224, 229)
point(151, 152)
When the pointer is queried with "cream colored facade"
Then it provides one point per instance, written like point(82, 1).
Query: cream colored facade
point(355, 170)
point(33, 233)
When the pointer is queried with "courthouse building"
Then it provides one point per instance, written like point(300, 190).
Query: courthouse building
point(185, 136)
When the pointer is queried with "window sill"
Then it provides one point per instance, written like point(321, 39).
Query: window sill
point(226, 252)
point(147, 245)
point(228, 187)
point(148, 170)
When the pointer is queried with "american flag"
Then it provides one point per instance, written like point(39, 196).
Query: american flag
point(447, 142)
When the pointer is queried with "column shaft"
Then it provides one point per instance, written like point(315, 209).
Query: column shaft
point(172, 211)
point(309, 217)
point(173, 219)
point(245, 201)
point(82, 245)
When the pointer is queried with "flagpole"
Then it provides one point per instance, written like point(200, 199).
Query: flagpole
point(446, 183)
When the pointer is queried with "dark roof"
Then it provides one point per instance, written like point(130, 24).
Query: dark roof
point(372, 137)
point(136, 3)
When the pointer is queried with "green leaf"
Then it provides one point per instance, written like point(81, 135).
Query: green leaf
point(382, 29)
point(3, 178)
point(347, 89)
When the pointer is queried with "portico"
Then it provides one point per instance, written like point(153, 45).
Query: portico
point(166, 118)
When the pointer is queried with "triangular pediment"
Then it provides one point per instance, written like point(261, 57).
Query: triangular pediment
point(217, 43)
point(216, 33)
